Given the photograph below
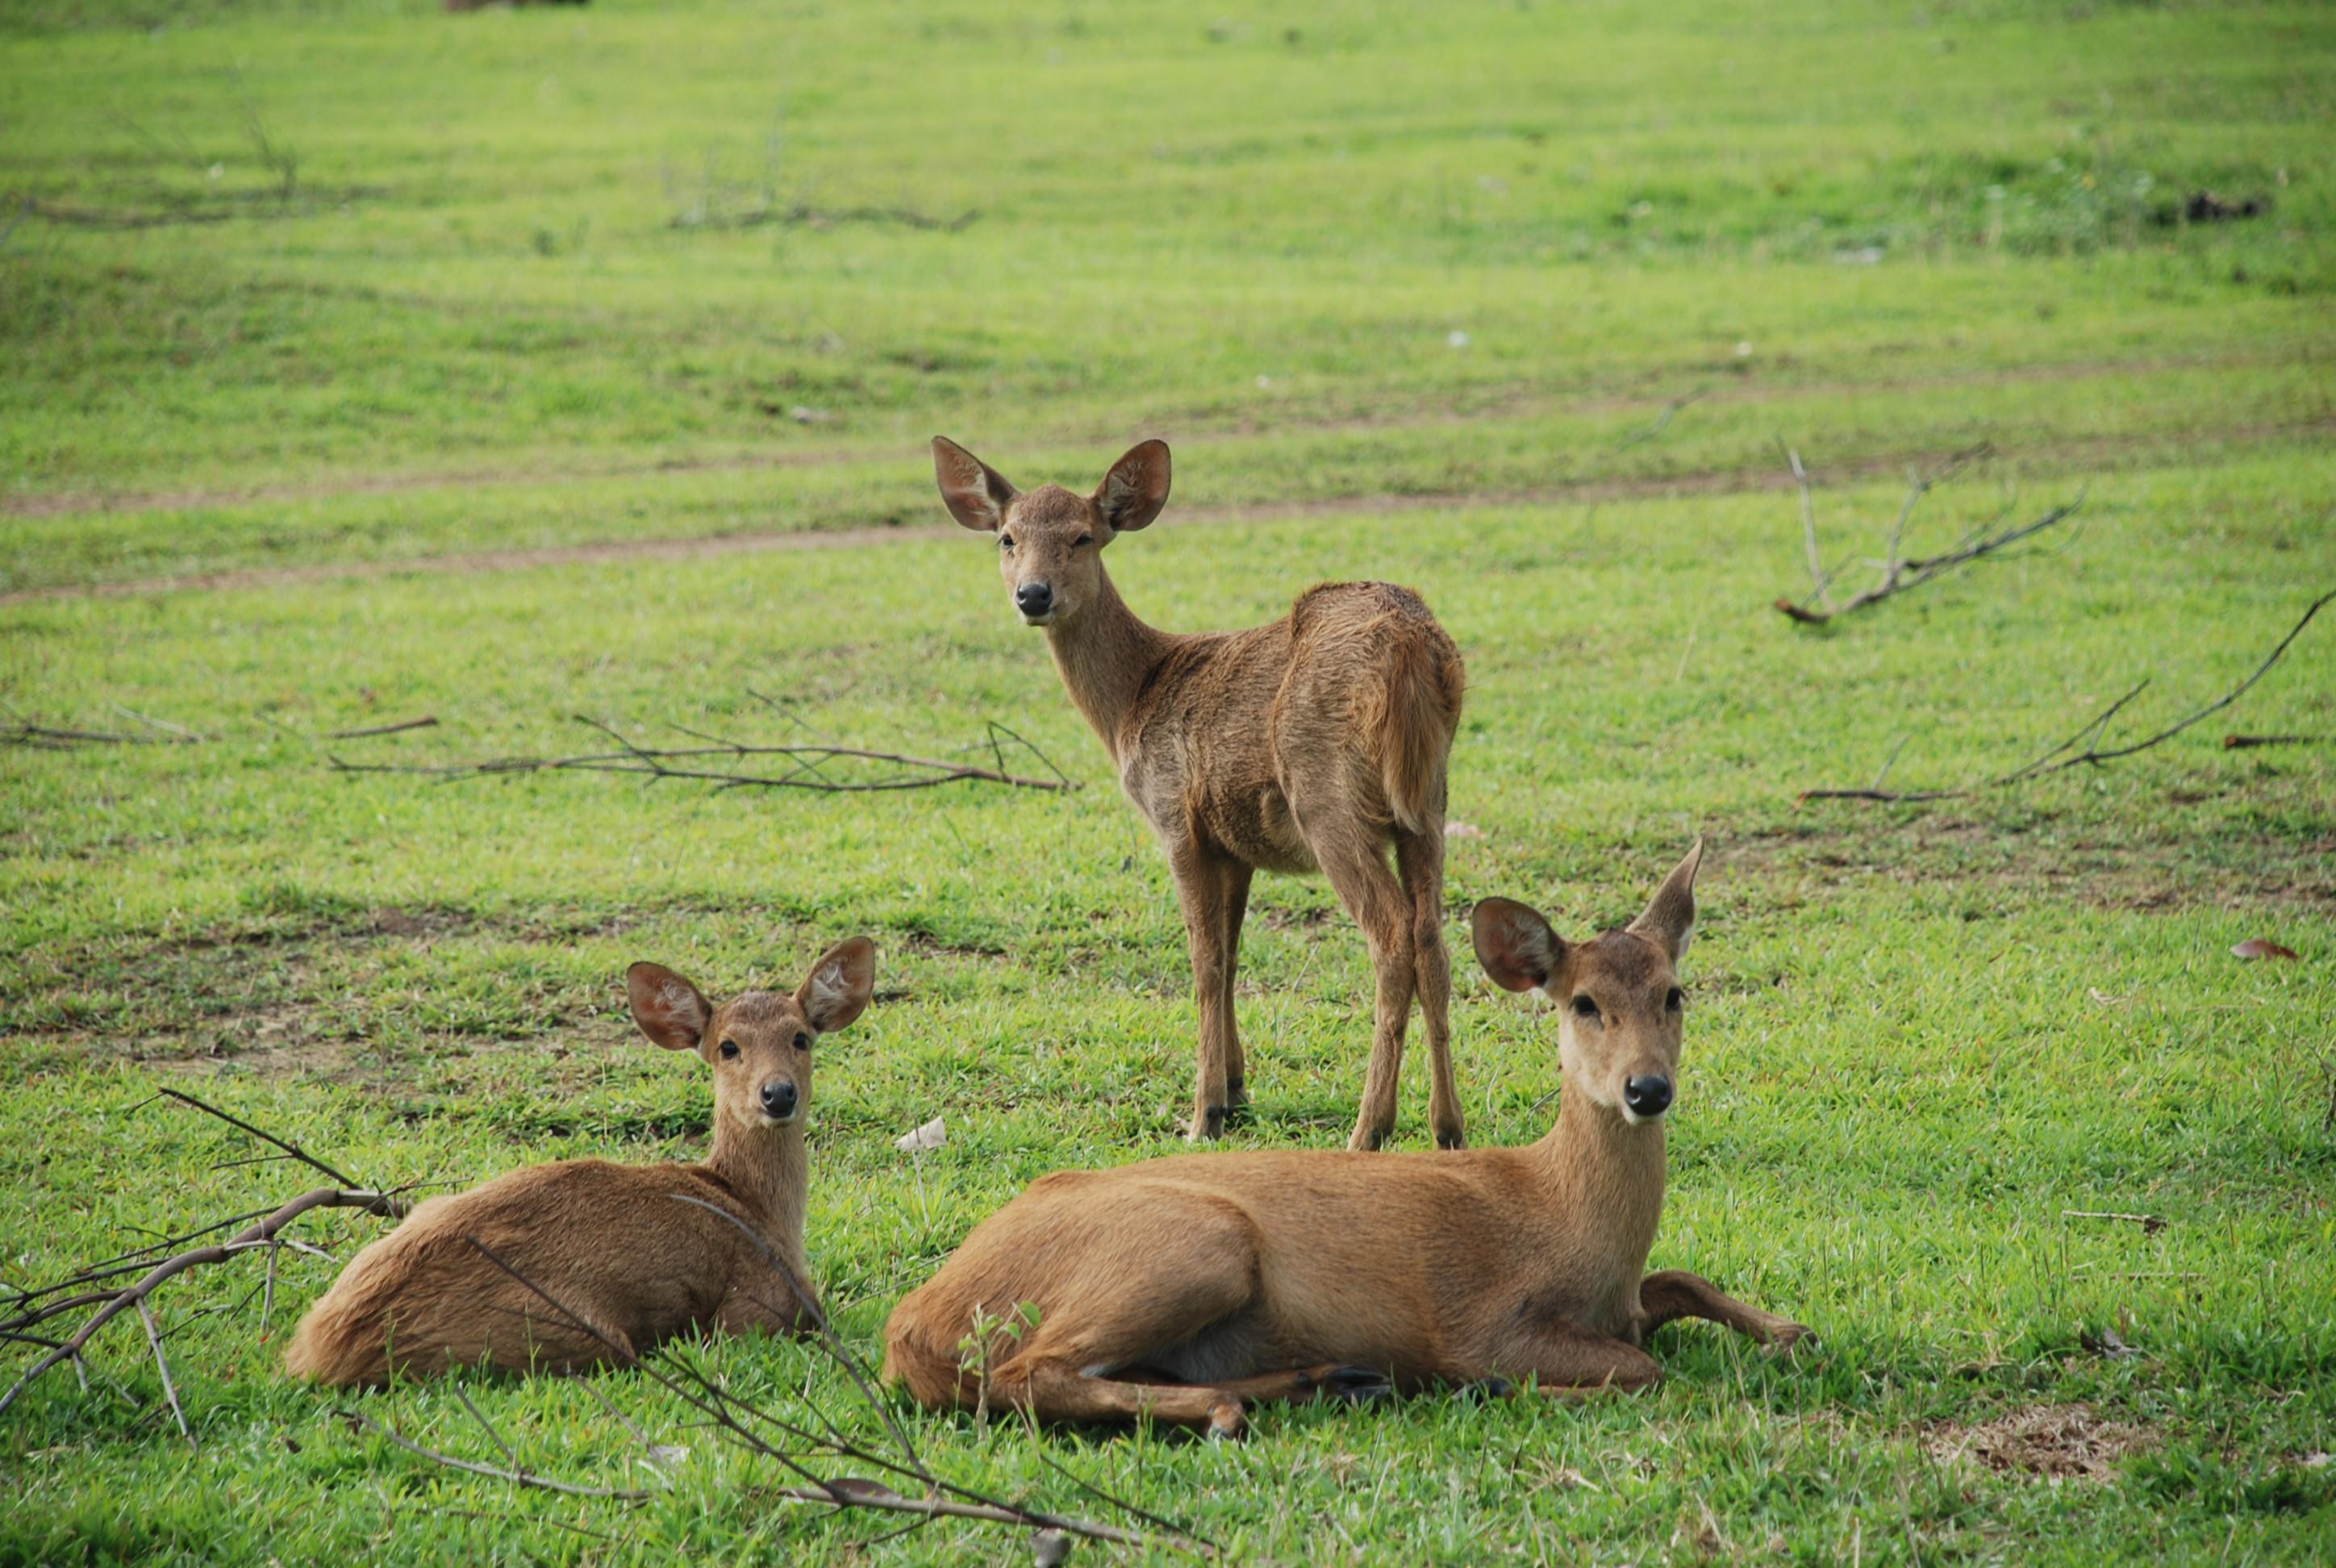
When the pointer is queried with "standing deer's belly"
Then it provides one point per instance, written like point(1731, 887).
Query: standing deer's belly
point(1257, 827)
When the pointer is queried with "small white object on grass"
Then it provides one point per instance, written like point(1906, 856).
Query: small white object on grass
point(931, 1135)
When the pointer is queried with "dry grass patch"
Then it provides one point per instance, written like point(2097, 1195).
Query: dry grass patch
point(2051, 1442)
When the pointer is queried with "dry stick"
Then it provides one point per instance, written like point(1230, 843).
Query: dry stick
point(1662, 421)
point(2146, 1222)
point(292, 1149)
point(169, 1389)
point(2240, 742)
point(1818, 576)
point(655, 762)
point(359, 1420)
point(2094, 754)
point(382, 1204)
point(427, 721)
point(1900, 573)
point(704, 1394)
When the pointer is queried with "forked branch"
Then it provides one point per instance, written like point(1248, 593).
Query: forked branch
point(897, 770)
point(2086, 747)
point(1896, 571)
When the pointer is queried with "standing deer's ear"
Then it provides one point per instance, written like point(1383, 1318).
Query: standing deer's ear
point(1131, 495)
point(667, 1008)
point(976, 492)
point(1670, 916)
point(1516, 946)
point(837, 989)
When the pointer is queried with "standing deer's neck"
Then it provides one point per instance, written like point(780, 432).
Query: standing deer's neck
point(770, 1170)
point(1105, 656)
point(1605, 1178)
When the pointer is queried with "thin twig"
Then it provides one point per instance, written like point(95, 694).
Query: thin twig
point(2148, 1222)
point(169, 1389)
point(2066, 754)
point(112, 1304)
point(2242, 742)
point(362, 1422)
point(294, 1150)
point(1662, 421)
point(427, 721)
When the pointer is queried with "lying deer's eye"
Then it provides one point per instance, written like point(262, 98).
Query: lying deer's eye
point(1082, 539)
point(802, 1042)
point(1675, 999)
point(729, 1050)
point(1584, 1008)
point(1005, 541)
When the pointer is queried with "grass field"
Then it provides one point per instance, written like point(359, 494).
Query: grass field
point(367, 362)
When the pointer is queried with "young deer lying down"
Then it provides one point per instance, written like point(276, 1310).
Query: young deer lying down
point(1181, 1289)
point(1316, 743)
point(612, 1245)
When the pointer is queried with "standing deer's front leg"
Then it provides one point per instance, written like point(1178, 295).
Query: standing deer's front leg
point(1675, 1293)
point(1203, 889)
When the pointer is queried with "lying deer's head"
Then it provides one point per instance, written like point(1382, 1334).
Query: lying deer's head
point(1618, 1002)
point(1049, 541)
point(758, 1043)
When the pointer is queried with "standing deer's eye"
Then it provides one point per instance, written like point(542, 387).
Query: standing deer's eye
point(1082, 539)
point(1675, 999)
point(1584, 1008)
point(802, 1042)
point(729, 1050)
point(1005, 541)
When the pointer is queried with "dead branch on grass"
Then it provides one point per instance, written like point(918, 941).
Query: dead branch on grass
point(2243, 742)
point(1897, 572)
point(1662, 421)
point(803, 214)
point(35, 1308)
point(742, 1422)
point(660, 762)
point(2090, 736)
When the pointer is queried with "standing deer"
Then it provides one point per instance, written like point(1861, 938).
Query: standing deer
point(595, 1263)
point(1316, 743)
point(1181, 1289)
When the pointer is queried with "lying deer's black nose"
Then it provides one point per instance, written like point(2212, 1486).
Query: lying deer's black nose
point(1034, 598)
point(779, 1100)
point(1649, 1097)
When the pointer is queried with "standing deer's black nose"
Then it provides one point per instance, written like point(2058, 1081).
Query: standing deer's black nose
point(1034, 598)
point(779, 1100)
point(1648, 1096)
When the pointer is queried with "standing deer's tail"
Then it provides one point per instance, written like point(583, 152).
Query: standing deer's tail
point(1412, 714)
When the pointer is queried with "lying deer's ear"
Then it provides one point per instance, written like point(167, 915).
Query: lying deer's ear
point(976, 492)
point(1670, 916)
point(1131, 495)
point(837, 989)
point(667, 1008)
point(1516, 946)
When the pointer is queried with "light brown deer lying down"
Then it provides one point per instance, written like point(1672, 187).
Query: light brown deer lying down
point(612, 1245)
point(1182, 1289)
point(1316, 743)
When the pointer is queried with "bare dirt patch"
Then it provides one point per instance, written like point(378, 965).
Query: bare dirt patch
point(2041, 1442)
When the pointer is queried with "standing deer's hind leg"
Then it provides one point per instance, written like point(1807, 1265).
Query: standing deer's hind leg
point(1237, 876)
point(1675, 1293)
point(1419, 857)
point(1359, 874)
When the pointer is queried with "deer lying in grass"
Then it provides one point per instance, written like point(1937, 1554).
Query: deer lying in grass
point(1182, 1289)
point(1316, 743)
point(626, 1262)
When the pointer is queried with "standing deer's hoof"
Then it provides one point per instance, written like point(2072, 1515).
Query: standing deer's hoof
point(1236, 1093)
point(1367, 1140)
point(1227, 1422)
point(1208, 1122)
point(1453, 1138)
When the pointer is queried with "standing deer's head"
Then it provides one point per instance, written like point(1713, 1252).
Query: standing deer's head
point(1050, 541)
point(759, 1042)
point(1620, 1005)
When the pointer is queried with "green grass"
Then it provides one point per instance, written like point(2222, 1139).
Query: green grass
point(1919, 1034)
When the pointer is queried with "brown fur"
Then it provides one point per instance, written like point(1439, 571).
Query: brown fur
point(624, 1263)
point(1316, 743)
point(1182, 1289)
